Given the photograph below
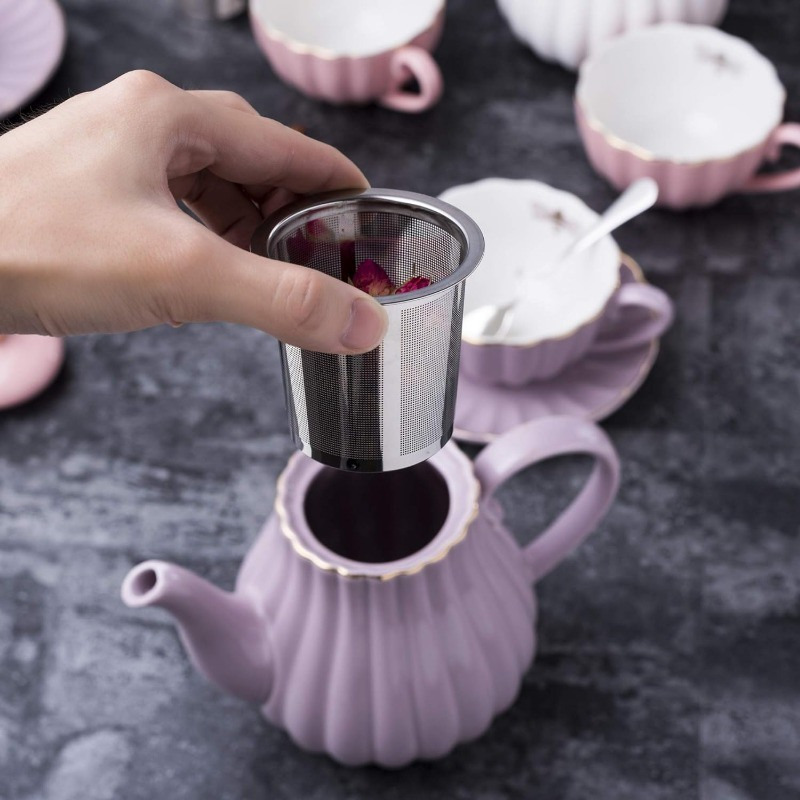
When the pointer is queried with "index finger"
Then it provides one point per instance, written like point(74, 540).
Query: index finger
point(258, 152)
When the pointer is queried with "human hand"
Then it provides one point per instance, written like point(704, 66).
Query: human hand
point(93, 240)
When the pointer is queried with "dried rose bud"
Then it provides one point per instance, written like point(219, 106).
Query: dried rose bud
point(299, 249)
point(371, 278)
point(412, 284)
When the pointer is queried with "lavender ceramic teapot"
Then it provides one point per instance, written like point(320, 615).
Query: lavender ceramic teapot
point(384, 618)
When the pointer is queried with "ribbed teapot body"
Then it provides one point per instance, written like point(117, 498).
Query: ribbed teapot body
point(392, 667)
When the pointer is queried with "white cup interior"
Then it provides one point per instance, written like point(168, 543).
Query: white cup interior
point(348, 27)
point(682, 92)
point(527, 225)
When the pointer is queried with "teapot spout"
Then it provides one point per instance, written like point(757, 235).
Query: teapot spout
point(225, 637)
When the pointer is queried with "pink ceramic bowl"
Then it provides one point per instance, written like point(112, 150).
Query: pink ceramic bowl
point(354, 51)
point(526, 225)
point(695, 109)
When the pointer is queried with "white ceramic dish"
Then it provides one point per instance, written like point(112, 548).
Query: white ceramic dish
point(567, 31)
point(33, 34)
point(526, 225)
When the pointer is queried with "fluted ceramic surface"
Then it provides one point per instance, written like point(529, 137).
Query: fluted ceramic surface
point(386, 662)
point(32, 36)
point(591, 388)
point(510, 365)
point(387, 672)
point(679, 185)
point(566, 31)
point(342, 80)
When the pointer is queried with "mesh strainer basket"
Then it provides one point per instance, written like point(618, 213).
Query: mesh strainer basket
point(392, 407)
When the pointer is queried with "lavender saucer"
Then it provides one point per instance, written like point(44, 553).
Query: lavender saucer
point(591, 388)
point(28, 365)
point(32, 38)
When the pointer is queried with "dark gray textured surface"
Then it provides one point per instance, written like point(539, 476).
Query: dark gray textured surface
point(668, 663)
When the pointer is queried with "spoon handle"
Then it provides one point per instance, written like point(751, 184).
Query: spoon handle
point(638, 197)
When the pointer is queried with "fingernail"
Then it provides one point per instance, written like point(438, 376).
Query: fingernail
point(366, 325)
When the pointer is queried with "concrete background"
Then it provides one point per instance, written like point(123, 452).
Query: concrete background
point(668, 662)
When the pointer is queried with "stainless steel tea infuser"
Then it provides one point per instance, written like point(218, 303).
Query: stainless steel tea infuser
point(394, 406)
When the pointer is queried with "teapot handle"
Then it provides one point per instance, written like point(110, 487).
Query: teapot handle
point(537, 441)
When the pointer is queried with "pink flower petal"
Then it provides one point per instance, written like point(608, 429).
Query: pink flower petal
point(299, 249)
point(412, 284)
point(371, 278)
point(317, 230)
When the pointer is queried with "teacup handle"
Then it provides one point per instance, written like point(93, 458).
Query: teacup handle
point(641, 296)
point(413, 61)
point(537, 441)
point(788, 133)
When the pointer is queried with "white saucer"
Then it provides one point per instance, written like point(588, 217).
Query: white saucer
point(33, 34)
point(591, 388)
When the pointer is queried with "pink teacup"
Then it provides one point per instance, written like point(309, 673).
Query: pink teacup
point(694, 108)
point(526, 225)
point(354, 51)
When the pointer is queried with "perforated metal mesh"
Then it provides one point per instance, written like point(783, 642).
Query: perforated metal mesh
point(432, 346)
point(404, 245)
point(334, 402)
point(394, 406)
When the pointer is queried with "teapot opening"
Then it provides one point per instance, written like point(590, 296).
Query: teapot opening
point(377, 517)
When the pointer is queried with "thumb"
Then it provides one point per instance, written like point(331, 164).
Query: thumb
point(297, 305)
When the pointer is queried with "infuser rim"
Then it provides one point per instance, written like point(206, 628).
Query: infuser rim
point(436, 211)
point(460, 519)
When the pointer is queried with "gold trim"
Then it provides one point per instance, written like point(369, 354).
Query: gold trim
point(345, 572)
point(325, 53)
point(613, 405)
point(628, 261)
point(482, 342)
point(618, 143)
